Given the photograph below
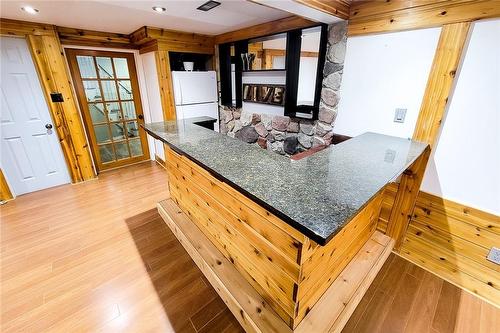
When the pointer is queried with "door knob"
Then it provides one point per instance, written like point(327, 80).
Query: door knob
point(48, 126)
point(141, 117)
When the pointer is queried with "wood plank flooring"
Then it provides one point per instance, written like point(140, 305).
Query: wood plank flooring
point(96, 257)
point(404, 298)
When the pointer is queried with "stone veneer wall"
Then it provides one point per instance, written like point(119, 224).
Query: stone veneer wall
point(285, 135)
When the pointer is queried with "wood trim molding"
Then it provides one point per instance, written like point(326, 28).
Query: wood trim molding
point(172, 40)
point(404, 203)
point(51, 66)
point(17, 28)
point(439, 85)
point(269, 28)
point(338, 8)
point(72, 36)
point(165, 83)
point(5, 193)
point(440, 82)
point(368, 17)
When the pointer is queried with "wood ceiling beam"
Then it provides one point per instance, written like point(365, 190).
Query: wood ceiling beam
point(72, 36)
point(377, 17)
point(264, 29)
point(17, 28)
point(172, 40)
point(338, 8)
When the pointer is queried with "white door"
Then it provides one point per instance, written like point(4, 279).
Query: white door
point(194, 87)
point(31, 156)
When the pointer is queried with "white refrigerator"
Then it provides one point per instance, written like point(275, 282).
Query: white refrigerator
point(195, 95)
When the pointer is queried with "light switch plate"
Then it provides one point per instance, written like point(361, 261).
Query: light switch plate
point(494, 255)
point(399, 115)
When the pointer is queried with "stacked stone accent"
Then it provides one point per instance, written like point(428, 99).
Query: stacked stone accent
point(285, 135)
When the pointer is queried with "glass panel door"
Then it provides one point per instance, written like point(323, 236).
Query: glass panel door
point(108, 93)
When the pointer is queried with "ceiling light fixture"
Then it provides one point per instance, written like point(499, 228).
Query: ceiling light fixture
point(159, 9)
point(30, 10)
point(208, 5)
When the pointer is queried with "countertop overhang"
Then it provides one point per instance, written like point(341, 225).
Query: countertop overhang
point(317, 195)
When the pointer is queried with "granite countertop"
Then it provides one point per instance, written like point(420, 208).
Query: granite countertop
point(318, 194)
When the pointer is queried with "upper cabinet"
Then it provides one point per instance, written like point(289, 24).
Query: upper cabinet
point(298, 56)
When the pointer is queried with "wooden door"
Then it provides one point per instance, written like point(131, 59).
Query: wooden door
point(108, 93)
point(31, 155)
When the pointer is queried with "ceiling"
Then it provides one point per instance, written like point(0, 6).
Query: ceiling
point(127, 16)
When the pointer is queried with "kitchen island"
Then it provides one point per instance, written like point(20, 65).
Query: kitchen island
point(289, 245)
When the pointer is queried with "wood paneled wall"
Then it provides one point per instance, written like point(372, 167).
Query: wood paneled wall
point(452, 241)
point(384, 16)
point(446, 238)
point(49, 61)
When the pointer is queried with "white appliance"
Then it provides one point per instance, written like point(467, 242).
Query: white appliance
point(195, 95)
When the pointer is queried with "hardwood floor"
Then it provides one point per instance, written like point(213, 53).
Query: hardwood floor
point(96, 257)
point(405, 298)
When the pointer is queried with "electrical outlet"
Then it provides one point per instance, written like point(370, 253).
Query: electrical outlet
point(390, 155)
point(494, 255)
point(399, 115)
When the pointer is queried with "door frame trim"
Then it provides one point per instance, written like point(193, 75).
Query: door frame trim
point(71, 53)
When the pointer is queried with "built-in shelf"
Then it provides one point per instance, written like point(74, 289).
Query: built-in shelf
point(264, 70)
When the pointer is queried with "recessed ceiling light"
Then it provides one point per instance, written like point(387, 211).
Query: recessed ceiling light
point(208, 5)
point(30, 10)
point(159, 9)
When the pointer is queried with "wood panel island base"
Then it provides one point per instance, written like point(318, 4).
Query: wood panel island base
point(283, 261)
point(287, 271)
point(250, 308)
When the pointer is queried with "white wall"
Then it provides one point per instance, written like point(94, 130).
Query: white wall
point(153, 93)
point(381, 73)
point(465, 166)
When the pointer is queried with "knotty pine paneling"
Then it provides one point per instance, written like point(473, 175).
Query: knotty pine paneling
point(451, 240)
point(288, 269)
